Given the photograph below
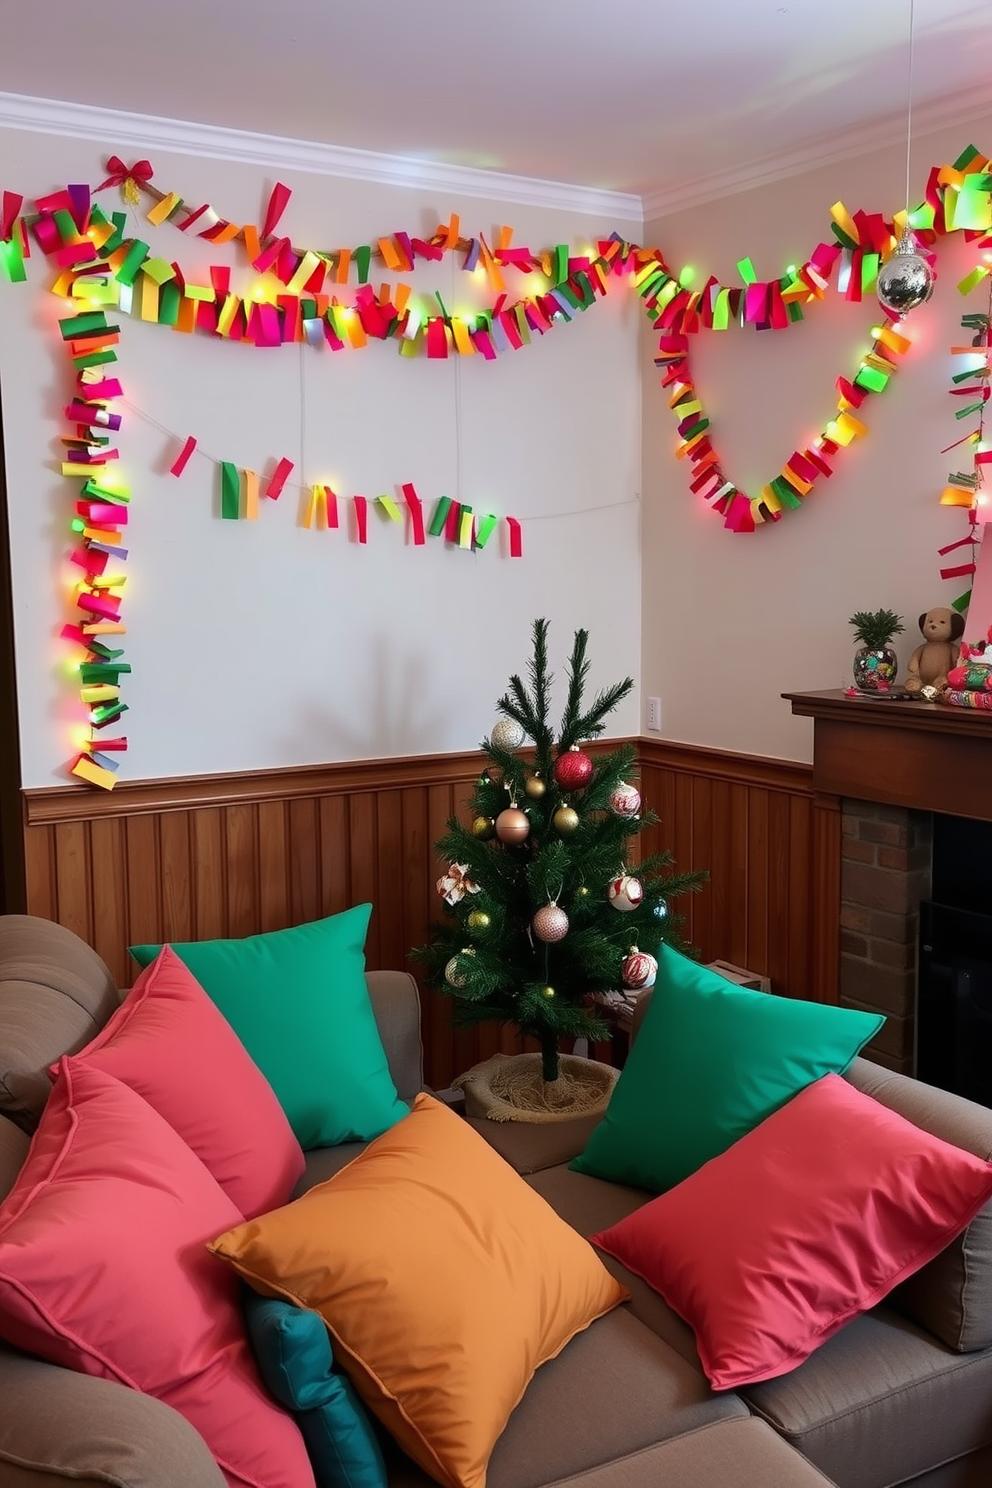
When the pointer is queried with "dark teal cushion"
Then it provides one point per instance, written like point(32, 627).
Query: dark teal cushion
point(298, 1001)
point(710, 1062)
point(293, 1350)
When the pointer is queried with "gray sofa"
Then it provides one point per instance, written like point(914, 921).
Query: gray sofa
point(901, 1395)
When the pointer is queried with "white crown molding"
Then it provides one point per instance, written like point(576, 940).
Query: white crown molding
point(148, 132)
point(953, 112)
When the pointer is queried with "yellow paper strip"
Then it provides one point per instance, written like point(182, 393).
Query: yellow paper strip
point(770, 499)
point(99, 692)
point(160, 211)
point(149, 299)
point(158, 269)
point(250, 496)
point(308, 263)
point(465, 527)
point(107, 581)
point(389, 506)
point(464, 344)
point(104, 627)
point(88, 769)
point(204, 292)
point(803, 487)
point(355, 331)
point(844, 221)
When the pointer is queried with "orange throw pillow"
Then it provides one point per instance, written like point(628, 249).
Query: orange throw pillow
point(445, 1281)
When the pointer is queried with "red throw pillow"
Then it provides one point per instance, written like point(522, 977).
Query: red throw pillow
point(807, 1221)
point(170, 1043)
point(104, 1268)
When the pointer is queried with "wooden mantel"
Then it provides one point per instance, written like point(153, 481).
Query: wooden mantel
point(925, 756)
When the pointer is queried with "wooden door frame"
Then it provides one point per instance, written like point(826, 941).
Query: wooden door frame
point(12, 886)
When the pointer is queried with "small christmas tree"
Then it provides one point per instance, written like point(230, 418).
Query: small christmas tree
point(543, 909)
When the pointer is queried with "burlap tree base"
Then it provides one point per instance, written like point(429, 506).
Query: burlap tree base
point(510, 1087)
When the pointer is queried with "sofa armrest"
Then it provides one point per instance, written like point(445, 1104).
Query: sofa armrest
point(57, 1425)
point(396, 1004)
point(951, 1296)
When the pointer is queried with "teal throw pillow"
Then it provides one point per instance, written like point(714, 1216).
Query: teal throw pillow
point(298, 1001)
point(710, 1062)
point(295, 1359)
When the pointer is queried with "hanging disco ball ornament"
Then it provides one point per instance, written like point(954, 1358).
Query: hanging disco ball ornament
point(906, 281)
point(507, 734)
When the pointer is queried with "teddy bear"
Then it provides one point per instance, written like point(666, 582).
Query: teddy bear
point(930, 663)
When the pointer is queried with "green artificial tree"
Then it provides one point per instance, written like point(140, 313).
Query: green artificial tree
point(544, 909)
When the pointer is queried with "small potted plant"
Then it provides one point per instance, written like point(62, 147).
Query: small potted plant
point(875, 663)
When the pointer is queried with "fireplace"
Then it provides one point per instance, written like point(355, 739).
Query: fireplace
point(913, 783)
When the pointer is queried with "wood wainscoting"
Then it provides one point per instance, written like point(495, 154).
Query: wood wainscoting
point(228, 855)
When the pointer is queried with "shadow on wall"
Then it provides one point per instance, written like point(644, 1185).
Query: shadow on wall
point(390, 716)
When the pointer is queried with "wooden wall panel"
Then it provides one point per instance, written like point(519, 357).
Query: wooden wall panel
point(234, 855)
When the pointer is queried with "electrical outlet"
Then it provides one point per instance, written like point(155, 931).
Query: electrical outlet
point(654, 714)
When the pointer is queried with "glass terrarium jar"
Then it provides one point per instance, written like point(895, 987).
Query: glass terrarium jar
point(875, 668)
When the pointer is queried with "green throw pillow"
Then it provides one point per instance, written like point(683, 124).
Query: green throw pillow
point(295, 1359)
point(297, 1000)
point(710, 1062)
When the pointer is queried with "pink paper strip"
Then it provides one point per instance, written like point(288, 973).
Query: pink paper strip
point(182, 459)
point(416, 509)
point(278, 479)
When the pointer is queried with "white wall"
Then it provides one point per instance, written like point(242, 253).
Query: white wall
point(732, 621)
point(257, 645)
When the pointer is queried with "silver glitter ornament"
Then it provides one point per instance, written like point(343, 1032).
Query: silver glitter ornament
point(906, 281)
point(507, 734)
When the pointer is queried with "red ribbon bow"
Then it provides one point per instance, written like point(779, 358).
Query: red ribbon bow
point(119, 172)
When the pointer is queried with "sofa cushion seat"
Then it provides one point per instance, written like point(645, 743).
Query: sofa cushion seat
point(532, 1146)
point(880, 1402)
point(747, 1454)
point(591, 1204)
point(614, 1391)
point(321, 1163)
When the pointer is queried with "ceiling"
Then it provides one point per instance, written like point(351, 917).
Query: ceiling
point(645, 97)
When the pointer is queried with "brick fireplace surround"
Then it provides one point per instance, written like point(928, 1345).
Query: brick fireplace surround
point(884, 873)
point(891, 764)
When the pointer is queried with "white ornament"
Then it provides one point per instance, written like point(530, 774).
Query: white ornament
point(456, 884)
point(638, 970)
point(507, 734)
point(625, 799)
point(625, 893)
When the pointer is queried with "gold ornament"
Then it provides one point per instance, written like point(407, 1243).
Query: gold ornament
point(582, 892)
point(483, 827)
point(565, 819)
point(512, 825)
point(454, 975)
point(535, 786)
point(548, 991)
point(478, 920)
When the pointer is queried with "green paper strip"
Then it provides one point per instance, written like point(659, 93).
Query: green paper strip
point(133, 260)
point(520, 316)
point(102, 291)
point(962, 602)
point(721, 310)
point(230, 491)
point(98, 217)
point(66, 225)
point(696, 428)
point(169, 302)
point(159, 270)
point(842, 237)
point(971, 408)
point(560, 270)
point(12, 258)
point(94, 359)
point(440, 516)
point(444, 308)
point(84, 325)
point(116, 240)
point(363, 258)
point(573, 299)
point(922, 217)
point(486, 528)
point(746, 270)
point(972, 371)
point(410, 348)
point(872, 379)
point(970, 281)
point(965, 158)
point(107, 712)
point(795, 311)
point(101, 493)
point(786, 493)
point(869, 272)
point(102, 671)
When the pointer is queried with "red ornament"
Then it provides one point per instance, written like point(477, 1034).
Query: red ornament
point(512, 825)
point(638, 970)
point(572, 770)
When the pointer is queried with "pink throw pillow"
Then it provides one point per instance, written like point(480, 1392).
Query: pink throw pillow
point(104, 1269)
point(802, 1224)
point(170, 1043)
